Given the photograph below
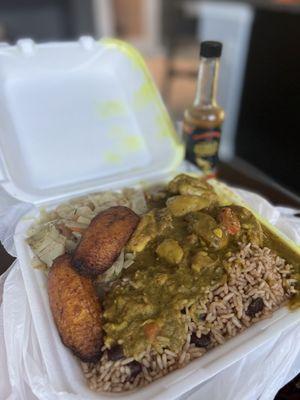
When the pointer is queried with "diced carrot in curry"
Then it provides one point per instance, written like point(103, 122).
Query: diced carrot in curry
point(230, 221)
point(151, 330)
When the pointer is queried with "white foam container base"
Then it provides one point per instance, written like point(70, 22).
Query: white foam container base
point(63, 370)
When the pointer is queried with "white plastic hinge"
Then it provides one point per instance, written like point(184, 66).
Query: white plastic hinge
point(26, 46)
point(87, 42)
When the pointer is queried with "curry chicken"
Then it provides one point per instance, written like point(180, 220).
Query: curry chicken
point(181, 247)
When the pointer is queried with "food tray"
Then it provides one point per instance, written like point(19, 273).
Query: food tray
point(63, 371)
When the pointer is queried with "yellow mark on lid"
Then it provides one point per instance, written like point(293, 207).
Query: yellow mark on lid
point(112, 158)
point(163, 128)
point(112, 108)
point(145, 94)
point(132, 143)
point(128, 141)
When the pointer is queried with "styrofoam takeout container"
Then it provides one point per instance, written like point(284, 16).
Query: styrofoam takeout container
point(81, 117)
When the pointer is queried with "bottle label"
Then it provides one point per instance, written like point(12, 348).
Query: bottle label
point(202, 147)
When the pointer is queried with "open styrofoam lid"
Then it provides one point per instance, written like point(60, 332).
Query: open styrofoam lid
point(75, 116)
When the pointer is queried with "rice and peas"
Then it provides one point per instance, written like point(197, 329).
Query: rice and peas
point(258, 282)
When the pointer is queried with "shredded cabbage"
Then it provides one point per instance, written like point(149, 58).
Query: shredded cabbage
point(58, 231)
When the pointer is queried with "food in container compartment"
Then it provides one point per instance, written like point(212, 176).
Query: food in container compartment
point(185, 184)
point(184, 204)
point(104, 239)
point(76, 310)
point(48, 244)
point(195, 272)
point(152, 224)
point(60, 230)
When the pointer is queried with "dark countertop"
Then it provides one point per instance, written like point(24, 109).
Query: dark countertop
point(236, 173)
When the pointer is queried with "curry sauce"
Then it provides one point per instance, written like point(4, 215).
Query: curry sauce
point(156, 293)
point(181, 247)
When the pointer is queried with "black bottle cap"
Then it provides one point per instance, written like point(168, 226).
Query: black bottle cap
point(210, 49)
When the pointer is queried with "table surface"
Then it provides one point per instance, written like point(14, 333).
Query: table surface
point(236, 173)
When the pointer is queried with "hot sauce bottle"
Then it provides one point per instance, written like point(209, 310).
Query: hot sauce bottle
point(203, 120)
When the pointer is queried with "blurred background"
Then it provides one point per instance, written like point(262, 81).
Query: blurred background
point(259, 78)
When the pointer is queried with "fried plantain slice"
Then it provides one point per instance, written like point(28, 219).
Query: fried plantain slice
point(76, 310)
point(104, 239)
